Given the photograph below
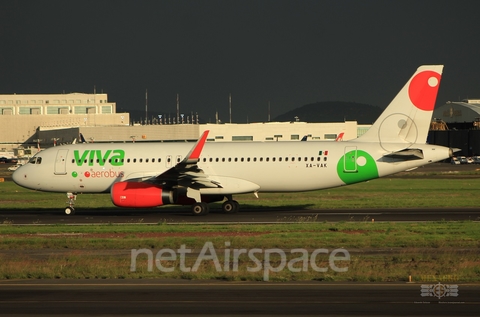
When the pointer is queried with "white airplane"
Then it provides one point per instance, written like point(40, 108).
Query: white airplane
point(145, 175)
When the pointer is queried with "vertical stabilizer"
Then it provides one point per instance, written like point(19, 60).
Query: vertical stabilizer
point(407, 118)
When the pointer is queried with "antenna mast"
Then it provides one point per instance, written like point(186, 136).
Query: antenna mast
point(178, 108)
point(268, 111)
point(230, 106)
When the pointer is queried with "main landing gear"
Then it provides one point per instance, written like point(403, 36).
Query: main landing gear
point(200, 209)
point(71, 201)
point(230, 206)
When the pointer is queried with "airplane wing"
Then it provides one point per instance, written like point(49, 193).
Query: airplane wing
point(187, 173)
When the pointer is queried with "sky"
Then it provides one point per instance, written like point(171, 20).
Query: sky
point(268, 54)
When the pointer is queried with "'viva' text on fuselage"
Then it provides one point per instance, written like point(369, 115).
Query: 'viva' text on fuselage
point(115, 157)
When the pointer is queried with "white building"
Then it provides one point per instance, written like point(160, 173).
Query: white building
point(45, 120)
point(21, 116)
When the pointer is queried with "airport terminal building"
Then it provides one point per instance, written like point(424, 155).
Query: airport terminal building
point(32, 121)
point(46, 120)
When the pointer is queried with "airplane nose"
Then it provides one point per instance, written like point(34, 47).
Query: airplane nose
point(18, 176)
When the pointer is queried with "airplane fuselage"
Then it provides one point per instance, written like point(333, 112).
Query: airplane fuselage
point(239, 167)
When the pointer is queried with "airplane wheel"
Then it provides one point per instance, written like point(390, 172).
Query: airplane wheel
point(230, 206)
point(237, 205)
point(69, 211)
point(200, 209)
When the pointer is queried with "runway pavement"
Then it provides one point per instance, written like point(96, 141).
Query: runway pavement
point(158, 215)
point(180, 297)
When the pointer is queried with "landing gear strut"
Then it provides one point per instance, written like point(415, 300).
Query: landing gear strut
point(71, 201)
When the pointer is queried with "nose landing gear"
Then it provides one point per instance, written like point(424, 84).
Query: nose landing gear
point(71, 201)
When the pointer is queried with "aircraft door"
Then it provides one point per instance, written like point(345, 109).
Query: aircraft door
point(350, 159)
point(61, 162)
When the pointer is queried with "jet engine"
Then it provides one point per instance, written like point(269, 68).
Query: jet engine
point(140, 195)
point(146, 195)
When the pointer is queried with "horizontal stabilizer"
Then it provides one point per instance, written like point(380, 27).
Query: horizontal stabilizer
point(407, 154)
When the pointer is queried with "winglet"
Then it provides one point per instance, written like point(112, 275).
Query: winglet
point(82, 138)
point(194, 154)
point(339, 137)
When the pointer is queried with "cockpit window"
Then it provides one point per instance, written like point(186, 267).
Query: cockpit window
point(35, 160)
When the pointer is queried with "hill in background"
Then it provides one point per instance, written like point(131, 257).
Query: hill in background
point(333, 111)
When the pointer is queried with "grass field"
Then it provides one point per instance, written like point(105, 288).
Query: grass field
point(428, 252)
point(378, 251)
